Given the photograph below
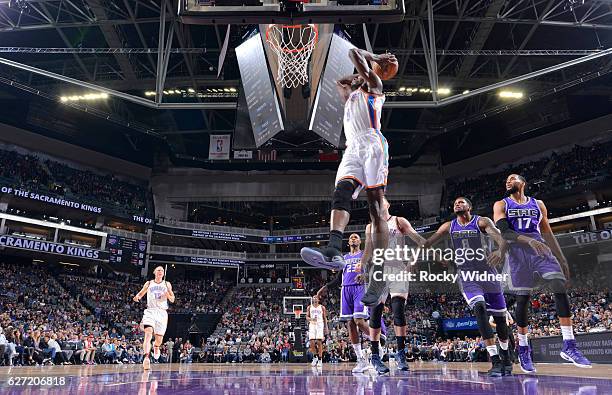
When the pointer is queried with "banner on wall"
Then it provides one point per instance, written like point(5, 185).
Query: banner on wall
point(23, 243)
point(219, 147)
point(597, 347)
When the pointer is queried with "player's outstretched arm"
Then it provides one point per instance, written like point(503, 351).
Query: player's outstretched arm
point(551, 240)
point(170, 294)
point(442, 231)
point(366, 258)
point(142, 292)
point(406, 228)
point(360, 59)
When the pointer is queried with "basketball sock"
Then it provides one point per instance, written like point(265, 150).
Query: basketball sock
point(523, 339)
point(335, 239)
point(567, 332)
point(375, 347)
point(492, 350)
point(358, 352)
point(401, 342)
point(503, 345)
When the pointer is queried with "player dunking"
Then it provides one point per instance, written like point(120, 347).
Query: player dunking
point(364, 164)
point(352, 289)
point(316, 315)
point(482, 296)
point(523, 221)
point(399, 227)
point(155, 318)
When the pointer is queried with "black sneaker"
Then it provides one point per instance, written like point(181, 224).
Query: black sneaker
point(378, 364)
point(326, 258)
point(497, 370)
point(375, 289)
point(506, 362)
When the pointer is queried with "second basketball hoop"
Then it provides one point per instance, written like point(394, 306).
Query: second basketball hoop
point(293, 44)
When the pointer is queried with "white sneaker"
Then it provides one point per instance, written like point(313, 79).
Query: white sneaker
point(314, 361)
point(156, 353)
point(362, 366)
point(319, 362)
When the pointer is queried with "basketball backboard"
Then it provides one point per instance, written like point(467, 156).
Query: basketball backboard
point(211, 12)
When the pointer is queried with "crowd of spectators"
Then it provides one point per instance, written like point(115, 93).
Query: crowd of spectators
point(559, 172)
point(74, 318)
point(58, 178)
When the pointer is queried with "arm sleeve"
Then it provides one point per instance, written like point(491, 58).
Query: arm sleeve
point(335, 282)
point(504, 228)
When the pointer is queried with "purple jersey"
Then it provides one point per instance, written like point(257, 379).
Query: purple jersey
point(466, 237)
point(524, 218)
point(352, 269)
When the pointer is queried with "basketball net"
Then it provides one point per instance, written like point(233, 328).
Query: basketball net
point(298, 313)
point(293, 45)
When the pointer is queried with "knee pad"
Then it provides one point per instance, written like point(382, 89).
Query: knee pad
point(501, 327)
point(522, 305)
point(398, 305)
point(376, 315)
point(480, 311)
point(557, 286)
point(563, 305)
point(343, 194)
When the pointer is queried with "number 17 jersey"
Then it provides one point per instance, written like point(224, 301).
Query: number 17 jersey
point(524, 218)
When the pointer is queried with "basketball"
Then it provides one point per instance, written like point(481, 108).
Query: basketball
point(387, 72)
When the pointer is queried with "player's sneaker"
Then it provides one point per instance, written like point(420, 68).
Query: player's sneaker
point(319, 363)
point(314, 361)
point(378, 364)
point(362, 366)
point(571, 354)
point(375, 290)
point(326, 258)
point(400, 357)
point(525, 359)
point(156, 353)
point(506, 362)
point(146, 363)
point(497, 370)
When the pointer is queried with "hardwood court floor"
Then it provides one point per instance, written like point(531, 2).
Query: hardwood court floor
point(424, 378)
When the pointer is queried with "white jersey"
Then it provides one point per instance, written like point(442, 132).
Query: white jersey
point(396, 237)
point(156, 295)
point(362, 113)
point(316, 313)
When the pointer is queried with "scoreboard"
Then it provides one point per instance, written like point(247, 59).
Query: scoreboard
point(124, 250)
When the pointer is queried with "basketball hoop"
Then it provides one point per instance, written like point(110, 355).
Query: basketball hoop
point(293, 44)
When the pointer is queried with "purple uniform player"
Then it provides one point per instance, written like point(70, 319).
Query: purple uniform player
point(352, 289)
point(355, 313)
point(466, 233)
point(534, 255)
point(523, 262)
point(469, 236)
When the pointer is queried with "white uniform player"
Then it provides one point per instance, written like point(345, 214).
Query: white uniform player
point(316, 325)
point(395, 266)
point(366, 159)
point(365, 163)
point(155, 315)
point(155, 319)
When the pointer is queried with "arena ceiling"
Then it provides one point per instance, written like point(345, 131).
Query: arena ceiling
point(476, 43)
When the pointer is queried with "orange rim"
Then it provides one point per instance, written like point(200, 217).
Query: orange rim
point(304, 48)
